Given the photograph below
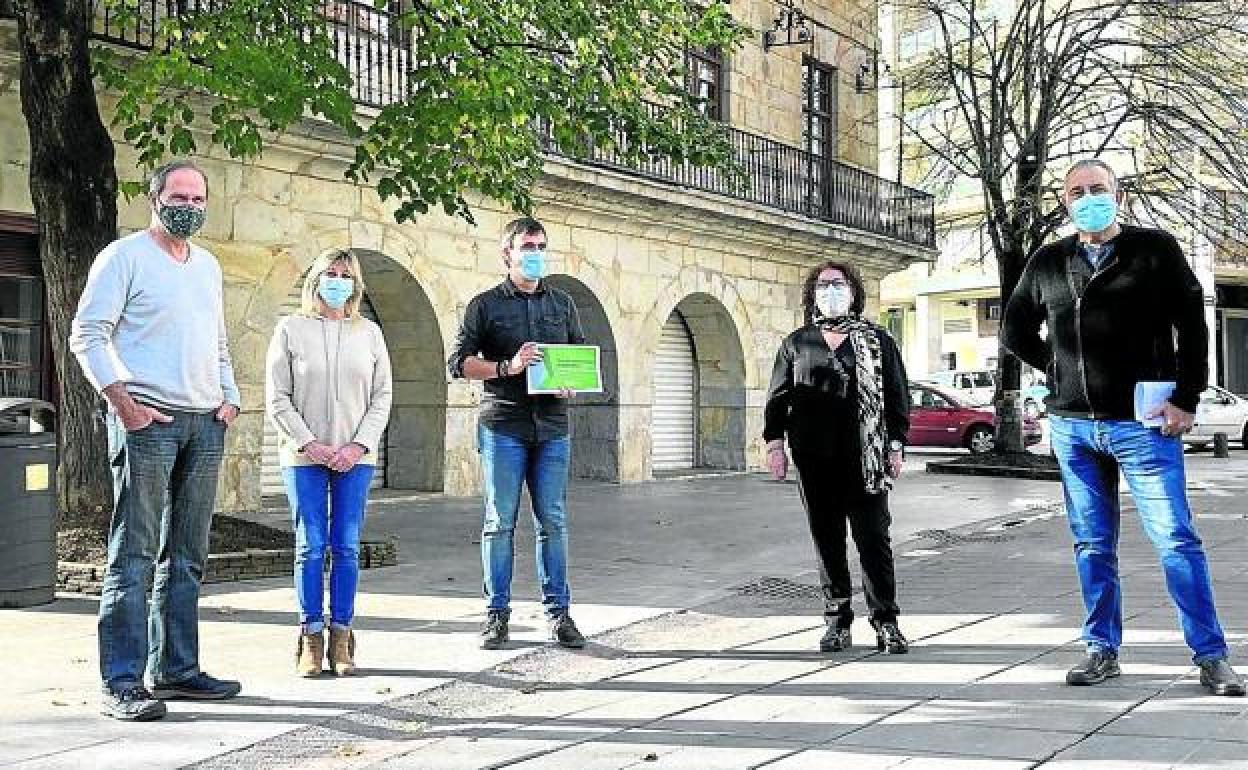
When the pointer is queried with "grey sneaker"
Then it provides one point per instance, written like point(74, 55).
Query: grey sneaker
point(565, 632)
point(495, 633)
point(1220, 678)
point(131, 704)
point(1094, 669)
point(199, 687)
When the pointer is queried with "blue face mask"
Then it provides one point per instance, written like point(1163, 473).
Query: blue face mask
point(1094, 213)
point(336, 291)
point(532, 264)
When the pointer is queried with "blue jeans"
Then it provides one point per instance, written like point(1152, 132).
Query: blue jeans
point(164, 487)
point(328, 509)
point(507, 463)
point(1090, 453)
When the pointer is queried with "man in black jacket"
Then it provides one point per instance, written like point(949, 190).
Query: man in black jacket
point(1122, 306)
point(523, 438)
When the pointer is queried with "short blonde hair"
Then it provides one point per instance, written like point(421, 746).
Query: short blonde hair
point(311, 303)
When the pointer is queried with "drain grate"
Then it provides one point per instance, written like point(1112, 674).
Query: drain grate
point(778, 588)
point(946, 537)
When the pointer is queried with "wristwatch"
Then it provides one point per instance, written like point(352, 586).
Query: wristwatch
point(895, 446)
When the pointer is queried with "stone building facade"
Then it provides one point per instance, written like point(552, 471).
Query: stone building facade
point(638, 252)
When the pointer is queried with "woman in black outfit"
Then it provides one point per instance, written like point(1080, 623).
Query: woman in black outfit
point(839, 394)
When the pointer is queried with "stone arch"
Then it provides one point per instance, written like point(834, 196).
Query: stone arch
point(416, 444)
point(698, 280)
point(594, 418)
point(721, 375)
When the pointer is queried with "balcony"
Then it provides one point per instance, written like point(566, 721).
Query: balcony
point(376, 50)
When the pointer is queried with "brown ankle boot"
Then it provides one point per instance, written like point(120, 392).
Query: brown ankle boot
point(342, 651)
point(310, 654)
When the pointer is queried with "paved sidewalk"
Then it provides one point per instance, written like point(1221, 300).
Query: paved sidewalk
point(731, 683)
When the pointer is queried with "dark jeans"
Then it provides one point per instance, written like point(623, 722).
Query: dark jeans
point(833, 499)
point(164, 486)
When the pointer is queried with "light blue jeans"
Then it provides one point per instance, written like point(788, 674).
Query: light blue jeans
point(328, 510)
point(1090, 453)
point(164, 487)
point(507, 464)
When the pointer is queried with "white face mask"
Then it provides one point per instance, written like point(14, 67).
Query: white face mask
point(834, 301)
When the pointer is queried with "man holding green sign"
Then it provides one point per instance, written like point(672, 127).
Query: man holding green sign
point(522, 333)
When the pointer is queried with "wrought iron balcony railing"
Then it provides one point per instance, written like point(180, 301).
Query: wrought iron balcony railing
point(376, 50)
point(781, 176)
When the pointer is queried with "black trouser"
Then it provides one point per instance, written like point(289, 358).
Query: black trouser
point(833, 497)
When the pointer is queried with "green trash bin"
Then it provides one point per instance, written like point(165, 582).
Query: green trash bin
point(28, 510)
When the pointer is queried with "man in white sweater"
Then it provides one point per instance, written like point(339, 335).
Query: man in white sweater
point(150, 336)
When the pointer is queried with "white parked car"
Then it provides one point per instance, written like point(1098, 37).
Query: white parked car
point(1219, 411)
point(976, 387)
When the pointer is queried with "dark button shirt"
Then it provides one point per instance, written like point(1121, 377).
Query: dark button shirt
point(496, 323)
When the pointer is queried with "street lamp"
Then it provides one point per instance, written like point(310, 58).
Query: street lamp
point(899, 83)
point(794, 25)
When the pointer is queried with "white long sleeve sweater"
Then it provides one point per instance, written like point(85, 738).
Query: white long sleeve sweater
point(156, 324)
point(327, 381)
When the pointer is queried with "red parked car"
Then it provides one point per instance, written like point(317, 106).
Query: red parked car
point(940, 418)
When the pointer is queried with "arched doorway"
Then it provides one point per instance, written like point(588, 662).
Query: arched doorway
point(413, 452)
point(698, 412)
point(594, 417)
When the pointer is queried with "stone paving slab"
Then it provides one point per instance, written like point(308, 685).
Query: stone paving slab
point(734, 682)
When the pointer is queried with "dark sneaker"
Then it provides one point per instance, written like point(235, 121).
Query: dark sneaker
point(495, 633)
point(131, 704)
point(1094, 669)
point(835, 640)
point(888, 638)
point(565, 632)
point(199, 687)
point(1220, 678)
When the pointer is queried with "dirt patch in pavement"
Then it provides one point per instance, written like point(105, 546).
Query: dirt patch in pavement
point(85, 540)
point(1025, 460)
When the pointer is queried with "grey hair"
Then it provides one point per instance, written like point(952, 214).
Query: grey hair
point(1087, 163)
point(156, 185)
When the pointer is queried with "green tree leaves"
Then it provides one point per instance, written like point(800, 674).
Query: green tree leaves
point(468, 92)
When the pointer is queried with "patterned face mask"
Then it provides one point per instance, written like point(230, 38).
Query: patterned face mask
point(181, 221)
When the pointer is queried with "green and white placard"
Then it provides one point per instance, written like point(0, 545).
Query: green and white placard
point(575, 367)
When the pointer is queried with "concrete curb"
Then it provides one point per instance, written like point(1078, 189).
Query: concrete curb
point(954, 468)
point(252, 564)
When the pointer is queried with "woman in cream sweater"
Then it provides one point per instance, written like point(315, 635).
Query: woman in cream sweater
point(328, 390)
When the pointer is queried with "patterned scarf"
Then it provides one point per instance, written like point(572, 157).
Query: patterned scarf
point(869, 372)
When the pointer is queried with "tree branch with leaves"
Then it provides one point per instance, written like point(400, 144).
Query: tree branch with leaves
point(475, 91)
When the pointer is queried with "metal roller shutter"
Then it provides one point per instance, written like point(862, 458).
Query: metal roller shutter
point(674, 424)
point(271, 484)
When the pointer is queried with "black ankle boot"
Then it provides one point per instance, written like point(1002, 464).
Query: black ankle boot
point(835, 640)
point(888, 638)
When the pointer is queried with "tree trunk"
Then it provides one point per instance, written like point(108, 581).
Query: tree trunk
point(1007, 400)
point(73, 184)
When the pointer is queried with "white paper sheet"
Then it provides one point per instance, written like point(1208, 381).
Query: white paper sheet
point(1149, 396)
